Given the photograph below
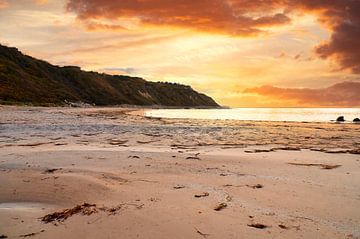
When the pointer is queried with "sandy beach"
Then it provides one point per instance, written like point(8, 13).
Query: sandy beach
point(113, 173)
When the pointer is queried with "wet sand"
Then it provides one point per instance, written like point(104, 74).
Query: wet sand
point(162, 178)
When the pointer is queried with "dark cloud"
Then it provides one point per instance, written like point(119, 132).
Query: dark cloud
point(343, 18)
point(343, 46)
point(345, 94)
point(237, 17)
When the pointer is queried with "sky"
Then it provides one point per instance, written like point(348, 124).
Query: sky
point(242, 53)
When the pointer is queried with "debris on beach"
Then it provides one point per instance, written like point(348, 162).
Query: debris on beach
point(228, 185)
point(114, 178)
point(205, 194)
point(193, 157)
point(146, 142)
point(134, 157)
point(258, 225)
point(285, 148)
point(34, 144)
point(344, 151)
point(220, 207)
point(180, 146)
point(228, 198)
point(253, 186)
point(256, 186)
point(52, 170)
point(85, 209)
point(283, 227)
point(259, 151)
point(179, 187)
point(3, 236)
point(118, 142)
point(60, 144)
point(201, 233)
point(323, 166)
point(112, 210)
point(31, 234)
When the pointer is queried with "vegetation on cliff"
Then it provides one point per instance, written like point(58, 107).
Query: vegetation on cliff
point(24, 79)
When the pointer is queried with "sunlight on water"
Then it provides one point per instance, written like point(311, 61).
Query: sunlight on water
point(260, 114)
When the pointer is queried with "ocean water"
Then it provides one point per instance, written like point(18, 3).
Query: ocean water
point(99, 127)
point(260, 114)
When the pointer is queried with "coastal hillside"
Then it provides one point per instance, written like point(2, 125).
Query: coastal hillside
point(24, 79)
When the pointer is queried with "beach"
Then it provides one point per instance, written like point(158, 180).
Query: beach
point(115, 173)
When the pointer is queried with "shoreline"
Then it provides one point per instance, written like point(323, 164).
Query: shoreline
point(154, 178)
point(141, 109)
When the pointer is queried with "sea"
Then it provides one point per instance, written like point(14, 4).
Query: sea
point(260, 114)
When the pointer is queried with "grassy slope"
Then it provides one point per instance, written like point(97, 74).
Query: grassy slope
point(28, 80)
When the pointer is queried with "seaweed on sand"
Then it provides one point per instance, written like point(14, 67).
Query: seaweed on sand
point(85, 209)
point(323, 166)
point(258, 225)
point(220, 207)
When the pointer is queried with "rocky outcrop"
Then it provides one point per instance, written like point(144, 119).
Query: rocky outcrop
point(340, 119)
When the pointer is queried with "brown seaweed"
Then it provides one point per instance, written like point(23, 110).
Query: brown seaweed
point(205, 194)
point(258, 225)
point(323, 166)
point(85, 209)
point(220, 207)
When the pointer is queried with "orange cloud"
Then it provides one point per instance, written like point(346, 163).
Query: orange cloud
point(41, 2)
point(238, 17)
point(345, 94)
point(4, 4)
point(207, 15)
point(93, 26)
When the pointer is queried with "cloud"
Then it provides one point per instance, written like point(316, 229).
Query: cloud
point(343, 46)
point(41, 2)
point(343, 18)
point(94, 26)
point(4, 4)
point(207, 15)
point(344, 94)
point(237, 17)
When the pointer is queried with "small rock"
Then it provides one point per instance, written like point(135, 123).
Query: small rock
point(356, 120)
point(340, 119)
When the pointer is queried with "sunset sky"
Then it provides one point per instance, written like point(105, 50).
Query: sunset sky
point(243, 53)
